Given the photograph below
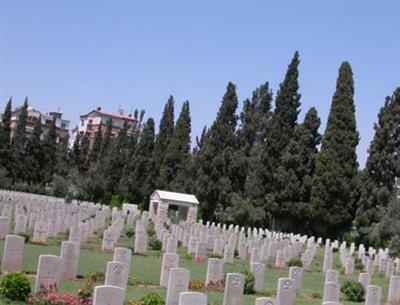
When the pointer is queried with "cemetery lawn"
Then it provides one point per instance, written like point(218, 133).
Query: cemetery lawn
point(146, 269)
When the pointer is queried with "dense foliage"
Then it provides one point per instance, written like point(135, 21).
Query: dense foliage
point(15, 286)
point(257, 166)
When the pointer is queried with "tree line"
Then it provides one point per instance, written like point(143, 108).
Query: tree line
point(257, 166)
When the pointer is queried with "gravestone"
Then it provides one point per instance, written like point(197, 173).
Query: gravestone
point(117, 274)
point(228, 254)
point(331, 292)
point(394, 289)
point(140, 243)
point(192, 298)
point(267, 301)
point(21, 222)
point(4, 226)
point(280, 259)
point(215, 271)
point(108, 295)
point(332, 276)
point(49, 272)
point(296, 274)
point(364, 279)
point(108, 240)
point(234, 289)
point(12, 253)
point(70, 255)
point(123, 255)
point(178, 281)
point(75, 234)
point(373, 295)
point(258, 270)
point(39, 233)
point(200, 252)
point(286, 291)
point(169, 261)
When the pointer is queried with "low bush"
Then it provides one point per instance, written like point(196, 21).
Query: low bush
point(353, 291)
point(295, 261)
point(130, 232)
point(249, 282)
point(152, 299)
point(95, 277)
point(358, 265)
point(15, 286)
point(27, 236)
point(196, 285)
point(150, 231)
point(155, 243)
point(316, 295)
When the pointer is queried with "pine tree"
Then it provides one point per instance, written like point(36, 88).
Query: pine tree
point(294, 176)
point(276, 134)
point(5, 144)
point(50, 152)
point(95, 151)
point(334, 190)
point(19, 172)
point(378, 177)
point(163, 139)
point(174, 170)
point(137, 181)
point(35, 154)
point(215, 173)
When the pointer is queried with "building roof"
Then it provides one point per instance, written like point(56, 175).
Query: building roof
point(99, 111)
point(174, 198)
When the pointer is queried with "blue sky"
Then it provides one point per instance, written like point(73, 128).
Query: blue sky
point(78, 55)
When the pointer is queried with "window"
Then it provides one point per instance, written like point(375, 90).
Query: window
point(82, 122)
point(63, 125)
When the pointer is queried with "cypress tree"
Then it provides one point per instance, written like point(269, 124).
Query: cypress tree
point(138, 178)
point(276, 134)
point(334, 190)
point(5, 130)
point(35, 154)
point(254, 117)
point(107, 139)
point(294, 176)
point(75, 153)
point(174, 171)
point(215, 158)
point(115, 160)
point(85, 150)
point(163, 139)
point(378, 177)
point(18, 146)
point(50, 152)
point(95, 151)
point(63, 158)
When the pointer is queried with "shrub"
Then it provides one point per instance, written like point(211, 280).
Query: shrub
point(316, 295)
point(95, 277)
point(196, 285)
point(295, 261)
point(150, 231)
point(132, 281)
point(353, 291)
point(15, 286)
point(155, 243)
point(152, 299)
point(27, 236)
point(249, 284)
point(130, 232)
point(53, 297)
point(358, 265)
point(269, 293)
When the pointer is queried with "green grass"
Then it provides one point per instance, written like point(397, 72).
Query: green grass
point(146, 269)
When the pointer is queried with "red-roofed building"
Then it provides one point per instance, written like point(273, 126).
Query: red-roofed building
point(90, 122)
